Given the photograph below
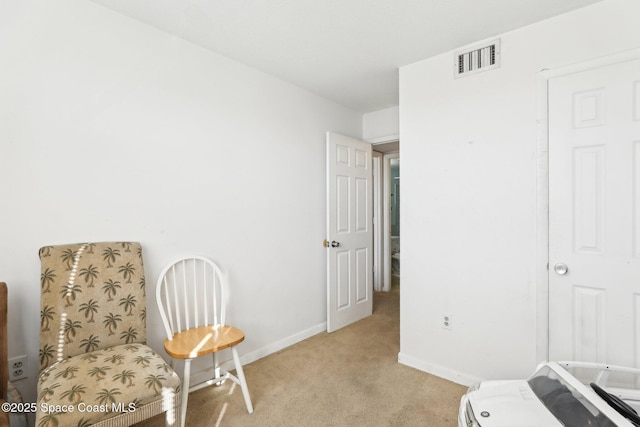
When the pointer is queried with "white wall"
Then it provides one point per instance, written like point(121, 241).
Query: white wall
point(378, 126)
point(469, 196)
point(113, 130)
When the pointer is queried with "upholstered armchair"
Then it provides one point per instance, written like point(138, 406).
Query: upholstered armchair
point(95, 368)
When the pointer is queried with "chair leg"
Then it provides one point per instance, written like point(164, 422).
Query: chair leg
point(185, 392)
point(216, 367)
point(243, 381)
point(172, 410)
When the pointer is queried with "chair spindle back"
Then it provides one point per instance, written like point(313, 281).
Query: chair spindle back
point(190, 293)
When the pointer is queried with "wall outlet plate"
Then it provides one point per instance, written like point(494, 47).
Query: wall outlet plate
point(18, 368)
point(445, 320)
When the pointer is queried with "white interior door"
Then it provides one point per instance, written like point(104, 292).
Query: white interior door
point(349, 231)
point(594, 215)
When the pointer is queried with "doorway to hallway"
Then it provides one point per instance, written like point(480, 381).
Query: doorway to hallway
point(386, 200)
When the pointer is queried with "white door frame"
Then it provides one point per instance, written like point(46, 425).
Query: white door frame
point(382, 207)
point(386, 174)
point(542, 186)
point(378, 218)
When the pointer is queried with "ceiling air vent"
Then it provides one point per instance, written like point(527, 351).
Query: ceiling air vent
point(476, 59)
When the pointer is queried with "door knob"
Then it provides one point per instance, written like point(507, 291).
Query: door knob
point(561, 268)
point(333, 243)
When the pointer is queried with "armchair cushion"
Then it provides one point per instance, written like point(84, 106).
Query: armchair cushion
point(92, 296)
point(85, 389)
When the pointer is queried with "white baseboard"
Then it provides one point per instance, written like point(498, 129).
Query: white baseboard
point(205, 374)
point(437, 370)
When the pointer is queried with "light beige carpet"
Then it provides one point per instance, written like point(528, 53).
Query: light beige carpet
point(348, 378)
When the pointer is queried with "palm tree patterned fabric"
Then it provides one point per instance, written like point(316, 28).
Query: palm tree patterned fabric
point(92, 335)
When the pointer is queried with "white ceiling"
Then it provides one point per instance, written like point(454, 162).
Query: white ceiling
point(348, 51)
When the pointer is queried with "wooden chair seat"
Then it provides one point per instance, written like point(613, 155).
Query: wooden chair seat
point(196, 342)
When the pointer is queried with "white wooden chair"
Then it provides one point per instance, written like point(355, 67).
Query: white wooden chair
point(191, 298)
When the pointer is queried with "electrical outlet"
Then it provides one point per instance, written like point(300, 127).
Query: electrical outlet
point(446, 321)
point(18, 368)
